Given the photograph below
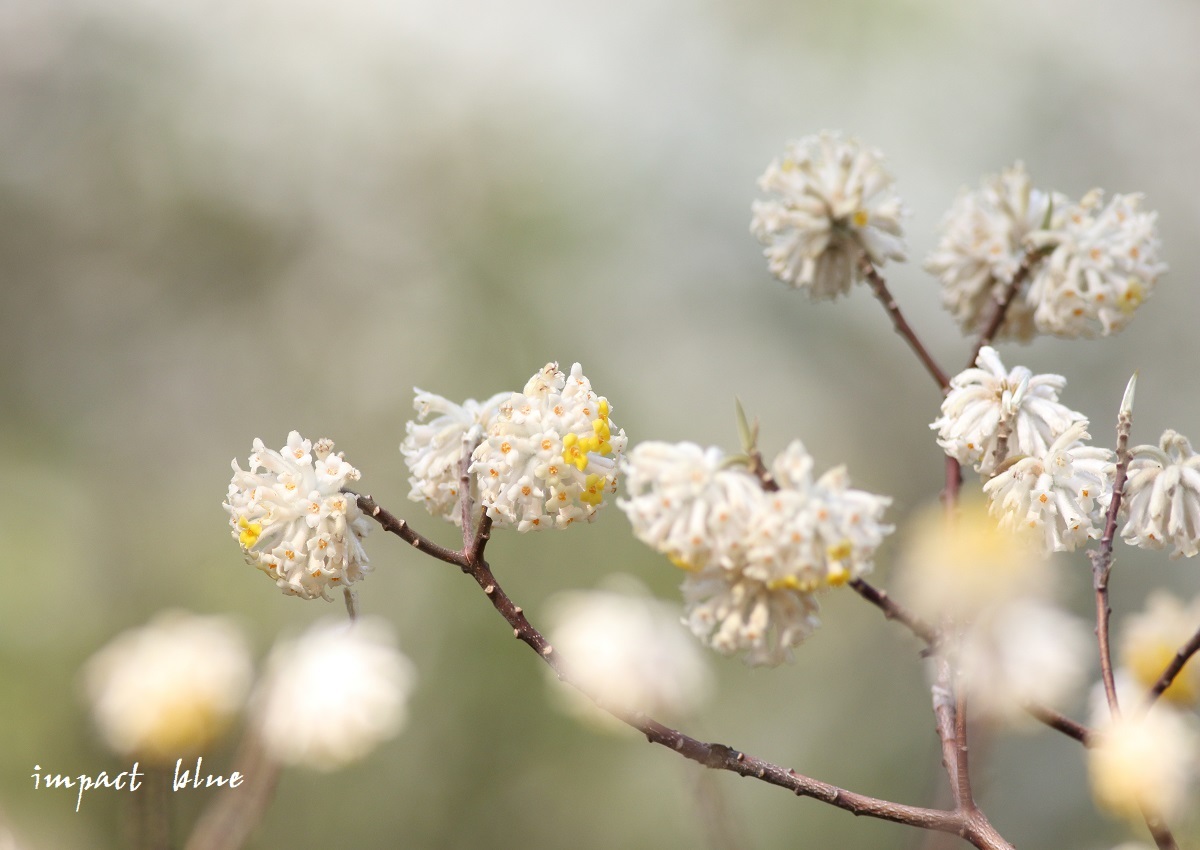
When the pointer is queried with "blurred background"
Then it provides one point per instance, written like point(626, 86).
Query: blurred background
point(224, 220)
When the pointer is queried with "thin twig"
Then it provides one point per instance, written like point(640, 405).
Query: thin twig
point(1102, 562)
point(974, 828)
point(1066, 725)
point(879, 287)
point(1007, 296)
point(464, 488)
point(234, 813)
point(892, 610)
point(351, 597)
point(1173, 669)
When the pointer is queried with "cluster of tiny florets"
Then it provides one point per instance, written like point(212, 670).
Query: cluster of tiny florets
point(1090, 265)
point(288, 513)
point(832, 205)
point(1162, 496)
point(541, 458)
point(755, 556)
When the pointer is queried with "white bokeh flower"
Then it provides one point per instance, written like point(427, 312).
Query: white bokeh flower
point(983, 397)
point(1144, 763)
point(1102, 266)
point(288, 513)
point(550, 453)
point(433, 448)
point(967, 566)
point(983, 243)
point(1026, 651)
point(1150, 639)
point(754, 557)
point(1059, 495)
point(332, 695)
point(833, 204)
point(627, 650)
point(169, 689)
point(1162, 496)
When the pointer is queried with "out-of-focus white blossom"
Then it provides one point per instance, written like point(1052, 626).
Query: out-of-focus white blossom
point(550, 453)
point(1022, 652)
point(1103, 265)
point(1162, 496)
point(433, 449)
point(754, 557)
point(628, 650)
point(967, 566)
point(833, 204)
point(1151, 638)
point(1060, 495)
point(982, 245)
point(1144, 762)
point(332, 695)
point(291, 519)
point(169, 689)
point(984, 397)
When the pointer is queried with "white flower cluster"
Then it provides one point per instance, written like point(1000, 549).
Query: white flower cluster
point(982, 245)
point(754, 557)
point(833, 205)
point(1061, 494)
point(1162, 496)
point(1100, 260)
point(332, 695)
point(987, 399)
point(433, 449)
point(170, 688)
point(292, 520)
point(1050, 482)
point(545, 456)
point(1104, 264)
point(625, 649)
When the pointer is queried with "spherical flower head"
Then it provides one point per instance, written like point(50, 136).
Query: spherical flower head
point(626, 650)
point(1059, 496)
point(966, 566)
point(755, 557)
point(833, 205)
point(1150, 639)
point(1162, 496)
point(433, 448)
point(1144, 763)
point(989, 399)
point(169, 689)
point(334, 694)
point(1025, 651)
point(288, 513)
point(982, 245)
point(1103, 265)
point(550, 454)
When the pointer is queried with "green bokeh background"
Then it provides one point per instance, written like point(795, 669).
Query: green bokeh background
point(222, 220)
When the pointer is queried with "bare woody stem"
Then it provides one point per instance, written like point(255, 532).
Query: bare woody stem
point(879, 287)
point(971, 826)
point(1007, 296)
point(1102, 562)
point(932, 637)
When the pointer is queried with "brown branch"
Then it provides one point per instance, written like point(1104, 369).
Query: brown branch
point(1066, 725)
point(1174, 669)
point(1102, 562)
point(879, 287)
point(234, 813)
point(892, 610)
point(1007, 296)
point(404, 531)
point(973, 827)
